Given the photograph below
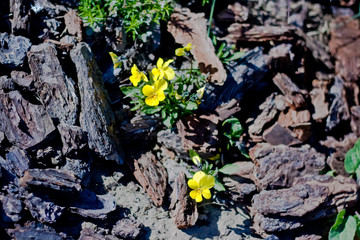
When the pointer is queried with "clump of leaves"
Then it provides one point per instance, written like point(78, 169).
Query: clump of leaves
point(345, 228)
point(163, 90)
point(352, 160)
point(232, 130)
point(225, 52)
point(135, 14)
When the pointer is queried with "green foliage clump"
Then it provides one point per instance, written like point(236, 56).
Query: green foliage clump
point(352, 160)
point(345, 228)
point(136, 14)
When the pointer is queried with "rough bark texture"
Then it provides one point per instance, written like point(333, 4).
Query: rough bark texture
point(17, 161)
point(44, 211)
point(184, 210)
point(127, 228)
point(72, 137)
point(96, 117)
point(23, 123)
point(312, 198)
point(187, 27)
point(20, 23)
point(50, 179)
point(13, 50)
point(55, 90)
point(280, 166)
point(291, 91)
point(152, 176)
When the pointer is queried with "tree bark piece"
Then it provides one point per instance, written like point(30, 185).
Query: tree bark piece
point(43, 211)
point(50, 179)
point(55, 90)
point(270, 109)
point(312, 198)
point(23, 123)
point(355, 120)
point(344, 45)
point(72, 137)
point(184, 210)
point(339, 108)
point(13, 208)
point(127, 228)
point(74, 24)
point(152, 176)
point(17, 161)
point(280, 166)
point(13, 50)
point(96, 117)
point(187, 27)
point(35, 231)
point(21, 12)
point(277, 134)
point(291, 91)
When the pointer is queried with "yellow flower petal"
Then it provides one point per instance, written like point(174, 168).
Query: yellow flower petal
point(206, 193)
point(198, 175)
point(198, 198)
point(134, 70)
point(148, 90)
point(194, 193)
point(179, 52)
point(160, 95)
point(152, 101)
point(169, 73)
point(207, 181)
point(159, 63)
point(200, 92)
point(167, 63)
point(188, 47)
point(160, 85)
point(144, 77)
point(193, 184)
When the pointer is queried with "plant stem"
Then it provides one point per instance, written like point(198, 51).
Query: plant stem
point(211, 16)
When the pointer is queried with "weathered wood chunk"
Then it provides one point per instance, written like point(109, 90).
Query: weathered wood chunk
point(280, 166)
point(55, 90)
point(127, 228)
point(23, 123)
point(52, 179)
point(312, 198)
point(13, 50)
point(20, 23)
point(96, 117)
point(35, 231)
point(72, 137)
point(339, 108)
point(73, 24)
point(42, 210)
point(13, 208)
point(187, 27)
point(184, 210)
point(344, 45)
point(17, 161)
point(278, 134)
point(152, 176)
point(292, 92)
point(355, 120)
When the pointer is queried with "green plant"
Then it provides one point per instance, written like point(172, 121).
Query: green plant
point(352, 160)
point(226, 53)
point(232, 130)
point(135, 14)
point(164, 91)
point(345, 228)
point(212, 169)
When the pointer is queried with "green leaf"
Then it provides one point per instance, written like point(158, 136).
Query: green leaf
point(219, 186)
point(352, 158)
point(191, 106)
point(130, 90)
point(236, 128)
point(229, 169)
point(192, 153)
point(150, 110)
point(236, 56)
point(343, 229)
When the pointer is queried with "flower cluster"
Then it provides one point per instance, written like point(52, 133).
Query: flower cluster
point(182, 51)
point(154, 92)
point(201, 184)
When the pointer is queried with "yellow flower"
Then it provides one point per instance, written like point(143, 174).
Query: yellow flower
point(115, 59)
point(200, 92)
point(155, 93)
point(182, 51)
point(163, 70)
point(201, 183)
point(137, 76)
point(196, 160)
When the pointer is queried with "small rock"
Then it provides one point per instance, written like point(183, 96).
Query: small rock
point(277, 135)
point(127, 228)
point(43, 211)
